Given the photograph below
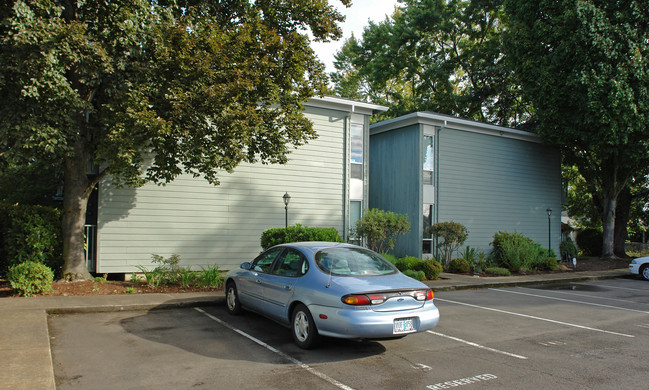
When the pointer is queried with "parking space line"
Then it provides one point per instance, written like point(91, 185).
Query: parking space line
point(277, 351)
point(538, 318)
point(623, 288)
point(568, 300)
point(574, 294)
point(477, 345)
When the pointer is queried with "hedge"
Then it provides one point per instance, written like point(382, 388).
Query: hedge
point(298, 233)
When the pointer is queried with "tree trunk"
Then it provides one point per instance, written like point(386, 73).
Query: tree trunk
point(621, 220)
point(608, 224)
point(76, 192)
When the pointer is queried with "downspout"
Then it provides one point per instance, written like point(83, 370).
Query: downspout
point(437, 146)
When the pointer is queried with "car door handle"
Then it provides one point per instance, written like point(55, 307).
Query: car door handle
point(258, 281)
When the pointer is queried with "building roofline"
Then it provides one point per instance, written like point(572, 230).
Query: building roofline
point(347, 105)
point(449, 121)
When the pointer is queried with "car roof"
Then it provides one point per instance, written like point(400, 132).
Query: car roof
point(314, 246)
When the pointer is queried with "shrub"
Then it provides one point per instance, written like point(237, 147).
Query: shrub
point(168, 272)
point(548, 264)
point(297, 233)
point(407, 263)
point(590, 242)
point(417, 275)
point(30, 233)
point(497, 271)
point(432, 269)
point(210, 277)
point(459, 266)
point(30, 278)
point(451, 234)
point(391, 258)
point(515, 251)
point(381, 229)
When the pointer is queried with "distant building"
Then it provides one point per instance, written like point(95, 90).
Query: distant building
point(438, 168)
point(222, 225)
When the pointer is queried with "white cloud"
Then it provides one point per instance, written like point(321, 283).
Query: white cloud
point(357, 17)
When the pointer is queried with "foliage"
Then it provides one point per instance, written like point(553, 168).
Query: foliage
point(30, 233)
point(497, 271)
point(567, 249)
point(210, 277)
point(381, 229)
point(589, 242)
point(582, 64)
point(517, 252)
point(459, 266)
point(430, 267)
point(451, 234)
point(417, 275)
point(298, 233)
point(148, 90)
point(470, 254)
point(641, 253)
point(436, 55)
point(390, 257)
point(34, 183)
point(408, 262)
point(29, 278)
point(130, 290)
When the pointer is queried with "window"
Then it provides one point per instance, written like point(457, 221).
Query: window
point(428, 160)
point(357, 143)
point(291, 263)
point(356, 162)
point(427, 242)
point(263, 262)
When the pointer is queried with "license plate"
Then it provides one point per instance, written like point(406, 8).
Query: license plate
point(404, 325)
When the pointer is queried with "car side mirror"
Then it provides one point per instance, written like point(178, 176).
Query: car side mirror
point(245, 265)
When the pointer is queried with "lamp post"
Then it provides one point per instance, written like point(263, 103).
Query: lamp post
point(287, 198)
point(549, 211)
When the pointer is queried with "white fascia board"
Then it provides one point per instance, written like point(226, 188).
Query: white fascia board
point(447, 121)
point(346, 105)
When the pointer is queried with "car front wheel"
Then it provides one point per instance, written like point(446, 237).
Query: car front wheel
point(232, 299)
point(303, 328)
point(644, 272)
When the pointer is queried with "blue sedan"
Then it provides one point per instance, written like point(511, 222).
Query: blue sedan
point(331, 289)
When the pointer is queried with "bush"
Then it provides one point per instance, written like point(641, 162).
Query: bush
point(381, 229)
point(449, 236)
point(548, 264)
point(407, 263)
point(30, 278)
point(298, 233)
point(417, 275)
point(459, 266)
point(432, 269)
point(30, 233)
point(590, 241)
point(497, 271)
point(515, 251)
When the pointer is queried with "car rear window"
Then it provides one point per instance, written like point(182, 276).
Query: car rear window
point(353, 262)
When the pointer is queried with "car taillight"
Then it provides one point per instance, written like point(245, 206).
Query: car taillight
point(424, 295)
point(356, 300)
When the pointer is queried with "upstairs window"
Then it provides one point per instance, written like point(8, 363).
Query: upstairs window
point(428, 160)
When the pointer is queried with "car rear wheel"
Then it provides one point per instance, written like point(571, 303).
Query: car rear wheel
point(644, 272)
point(303, 328)
point(232, 299)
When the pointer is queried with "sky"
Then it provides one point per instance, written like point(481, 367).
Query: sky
point(357, 18)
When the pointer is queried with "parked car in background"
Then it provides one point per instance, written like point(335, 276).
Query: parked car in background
point(640, 266)
point(331, 289)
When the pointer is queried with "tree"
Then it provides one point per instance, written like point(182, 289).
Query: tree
point(583, 65)
point(437, 55)
point(451, 234)
point(147, 90)
point(381, 229)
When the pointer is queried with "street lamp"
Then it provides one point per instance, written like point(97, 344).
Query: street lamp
point(287, 198)
point(549, 211)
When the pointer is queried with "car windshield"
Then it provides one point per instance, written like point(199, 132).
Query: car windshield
point(352, 262)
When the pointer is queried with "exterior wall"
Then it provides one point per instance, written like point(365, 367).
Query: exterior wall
point(395, 181)
point(223, 224)
point(490, 184)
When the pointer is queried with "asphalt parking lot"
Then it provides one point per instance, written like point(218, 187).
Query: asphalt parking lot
point(591, 335)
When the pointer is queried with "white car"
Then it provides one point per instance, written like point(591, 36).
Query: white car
point(640, 266)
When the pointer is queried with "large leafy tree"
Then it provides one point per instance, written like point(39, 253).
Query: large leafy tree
point(437, 55)
point(147, 90)
point(584, 64)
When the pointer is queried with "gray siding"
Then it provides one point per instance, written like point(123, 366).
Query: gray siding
point(395, 181)
point(222, 224)
point(490, 183)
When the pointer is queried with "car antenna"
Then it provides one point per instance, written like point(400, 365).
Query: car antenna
point(331, 267)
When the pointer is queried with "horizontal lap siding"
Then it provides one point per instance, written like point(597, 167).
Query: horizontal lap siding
point(222, 224)
point(491, 184)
